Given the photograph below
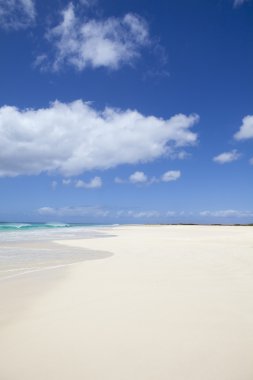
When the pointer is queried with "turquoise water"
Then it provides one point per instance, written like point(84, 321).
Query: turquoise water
point(29, 247)
point(31, 226)
point(18, 232)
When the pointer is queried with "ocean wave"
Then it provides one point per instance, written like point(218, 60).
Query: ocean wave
point(57, 225)
point(14, 226)
point(30, 226)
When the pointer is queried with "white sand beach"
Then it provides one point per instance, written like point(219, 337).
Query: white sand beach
point(170, 303)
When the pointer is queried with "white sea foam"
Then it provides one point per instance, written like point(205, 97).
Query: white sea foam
point(14, 225)
point(55, 233)
point(55, 224)
point(26, 251)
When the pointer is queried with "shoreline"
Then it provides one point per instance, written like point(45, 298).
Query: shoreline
point(170, 302)
point(21, 286)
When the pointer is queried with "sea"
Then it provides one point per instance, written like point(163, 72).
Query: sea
point(26, 248)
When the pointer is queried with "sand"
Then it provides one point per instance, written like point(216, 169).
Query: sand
point(171, 303)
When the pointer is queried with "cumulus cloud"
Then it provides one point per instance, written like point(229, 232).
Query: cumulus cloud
point(135, 178)
point(141, 178)
point(227, 157)
point(227, 213)
point(80, 42)
point(72, 138)
point(94, 183)
point(17, 14)
point(138, 177)
point(171, 175)
point(246, 129)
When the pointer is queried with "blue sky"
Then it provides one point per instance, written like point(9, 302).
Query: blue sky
point(126, 111)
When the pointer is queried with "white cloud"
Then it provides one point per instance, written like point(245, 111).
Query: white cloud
point(171, 175)
point(141, 178)
point(251, 161)
point(46, 210)
point(94, 183)
point(145, 214)
point(93, 211)
point(138, 214)
point(103, 212)
point(17, 14)
point(72, 138)
point(40, 61)
point(227, 157)
point(138, 177)
point(181, 155)
point(246, 129)
point(110, 43)
point(227, 213)
point(97, 211)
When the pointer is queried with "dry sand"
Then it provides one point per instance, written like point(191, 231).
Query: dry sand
point(171, 303)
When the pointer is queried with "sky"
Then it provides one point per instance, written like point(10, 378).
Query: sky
point(126, 111)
